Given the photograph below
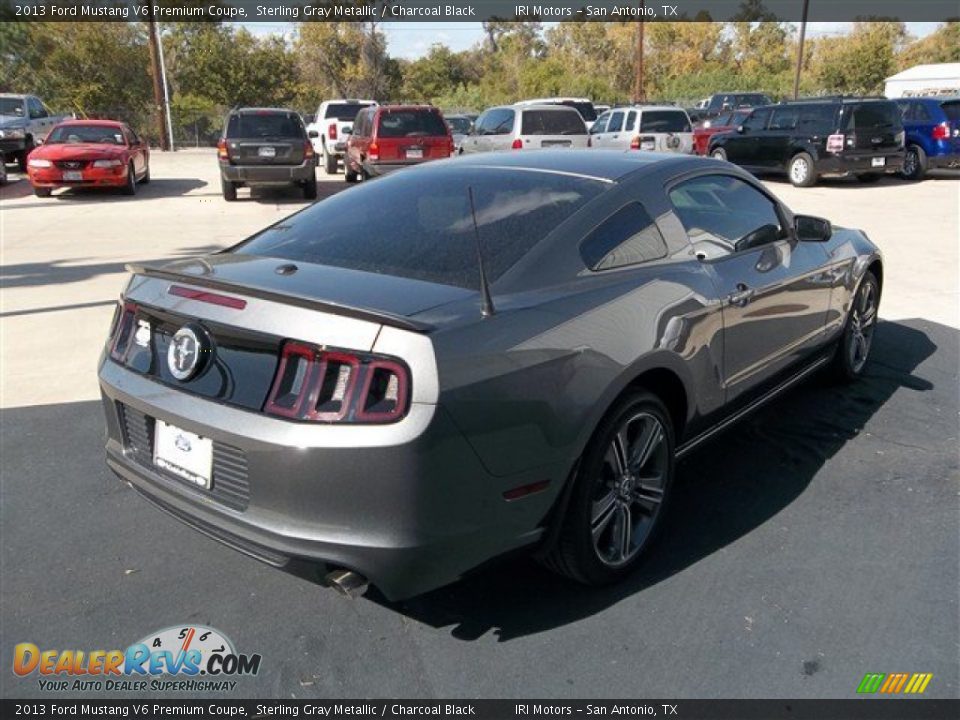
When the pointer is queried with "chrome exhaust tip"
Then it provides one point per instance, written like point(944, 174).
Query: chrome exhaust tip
point(347, 582)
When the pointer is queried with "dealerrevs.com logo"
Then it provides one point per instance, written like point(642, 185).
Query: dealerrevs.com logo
point(187, 658)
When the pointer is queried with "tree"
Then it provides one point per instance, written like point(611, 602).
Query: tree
point(345, 59)
point(860, 62)
point(438, 72)
point(940, 46)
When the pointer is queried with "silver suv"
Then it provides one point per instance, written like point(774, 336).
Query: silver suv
point(657, 128)
point(526, 127)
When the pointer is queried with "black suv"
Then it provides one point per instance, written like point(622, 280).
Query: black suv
point(266, 146)
point(725, 102)
point(809, 138)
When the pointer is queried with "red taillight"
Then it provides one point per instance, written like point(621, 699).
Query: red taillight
point(373, 151)
point(308, 150)
point(123, 332)
point(338, 387)
point(222, 151)
point(941, 131)
point(332, 131)
point(635, 142)
point(450, 146)
point(517, 144)
point(207, 297)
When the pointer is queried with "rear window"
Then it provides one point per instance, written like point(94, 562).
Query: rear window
point(872, 115)
point(552, 122)
point(664, 121)
point(411, 123)
point(423, 228)
point(343, 111)
point(751, 100)
point(586, 109)
point(265, 125)
point(952, 109)
point(459, 125)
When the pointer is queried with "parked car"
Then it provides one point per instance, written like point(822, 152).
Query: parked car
point(932, 128)
point(724, 122)
point(333, 124)
point(726, 101)
point(388, 137)
point(600, 109)
point(526, 127)
point(347, 387)
point(89, 153)
point(3, 170)
point(264, 147)
point(460, 126)
point(584, 106)
point(812, 138)
point(656, 128)
point(24, 124)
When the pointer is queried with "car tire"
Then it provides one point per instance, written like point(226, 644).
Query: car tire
point(364, 175)
point(719, 154)
point(868, 178)
point(145, 180)
point(329, 162)
point(801, 171)
point(22, 157)
point(310, 189)
point(229, 190)
point(42, 192)
point(853, 350)
point(131, 187)
point(914, 163)
point(592, 546)
point(349, 174)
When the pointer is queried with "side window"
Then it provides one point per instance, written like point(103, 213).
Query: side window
point(631, 121)
point(627, 237)
point(919, 113)
point(784, 118)
point(757, 120)
point(723, 214)
point(35, 108)
point(817, 119)
point(616, 121)
point(601, 124)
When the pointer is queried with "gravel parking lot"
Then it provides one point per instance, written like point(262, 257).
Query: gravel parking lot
point(814, 543)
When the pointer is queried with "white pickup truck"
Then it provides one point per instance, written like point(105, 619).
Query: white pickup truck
point(331, 128)
point(24, 123)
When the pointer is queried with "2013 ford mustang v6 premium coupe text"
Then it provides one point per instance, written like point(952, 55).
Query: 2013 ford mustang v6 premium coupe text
point(498, 351)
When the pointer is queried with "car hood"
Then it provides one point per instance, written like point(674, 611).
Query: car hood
point(12, 121)
point(374, 292)
point(78, 151)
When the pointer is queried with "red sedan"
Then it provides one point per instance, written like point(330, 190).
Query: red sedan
point(89, 153)
point(725, 122)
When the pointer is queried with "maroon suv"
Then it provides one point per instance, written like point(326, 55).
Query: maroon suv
point(387, 137)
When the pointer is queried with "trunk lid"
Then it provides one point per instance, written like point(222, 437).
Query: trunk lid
point(412, 134)
point(872, 127)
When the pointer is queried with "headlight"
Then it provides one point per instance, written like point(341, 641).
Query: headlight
point(39, 162)
point(12, 133)
point(107, 163)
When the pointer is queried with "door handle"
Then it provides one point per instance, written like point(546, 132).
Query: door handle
point(742, 296)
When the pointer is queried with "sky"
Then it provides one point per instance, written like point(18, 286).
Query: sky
point(411, 40)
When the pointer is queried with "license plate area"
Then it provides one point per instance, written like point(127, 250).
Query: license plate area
point(267, 152)
point(414, 153)
point(72, 176)
point(183, 453)
point(555, 143)
point(878, 162)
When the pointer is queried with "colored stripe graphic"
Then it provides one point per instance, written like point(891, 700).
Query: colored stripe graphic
point(918, 683)
point(895, 683)
point(870, 683)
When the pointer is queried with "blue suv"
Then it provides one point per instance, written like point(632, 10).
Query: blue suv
point(932, 127)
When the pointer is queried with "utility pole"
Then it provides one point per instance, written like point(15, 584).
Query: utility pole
point(638, 93)
point(803, 33)
point(157, 81)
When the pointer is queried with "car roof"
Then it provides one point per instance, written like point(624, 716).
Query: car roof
point(407, 106)
point(609, 166)
point(103, 123)
point(245, 110)
point(546, 106)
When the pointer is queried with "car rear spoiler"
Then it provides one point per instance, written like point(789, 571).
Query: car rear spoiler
point(377, 316)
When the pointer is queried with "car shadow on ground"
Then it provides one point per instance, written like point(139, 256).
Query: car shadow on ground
point(54, 273)
point(851, 183)
point(722, 493)
point(156, 188)
point(287, 195)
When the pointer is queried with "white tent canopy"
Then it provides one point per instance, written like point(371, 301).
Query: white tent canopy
point(920, 80)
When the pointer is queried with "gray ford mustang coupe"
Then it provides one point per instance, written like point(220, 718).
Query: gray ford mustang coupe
point(473, 356)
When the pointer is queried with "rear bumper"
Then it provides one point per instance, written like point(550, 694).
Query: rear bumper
point(860, 163)
point(382, 168)
point(268, 174)
point(410, 516)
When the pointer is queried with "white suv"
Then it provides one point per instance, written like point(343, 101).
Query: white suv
point(658, 128)
point(331, 128)
point(526, 127)
point(584, 106)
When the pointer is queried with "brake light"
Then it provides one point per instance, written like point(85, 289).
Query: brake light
point(332, 131)
point(325, 386)
point(941, 131)
point(123, 332)
point(635, 142)
point(450, 146)
point(373, 151)
point(308, 150)
point(517, 144)
point(222, 151)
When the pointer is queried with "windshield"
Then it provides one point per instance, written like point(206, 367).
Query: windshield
point(101, 134)
point(11, 106)
point(423, 227)
point(664, 121)
point(344, 111)
point(459, 125)
point(265, 125)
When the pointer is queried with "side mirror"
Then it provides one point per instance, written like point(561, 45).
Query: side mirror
point(741, 129)
point(812, 229)
point(313, 134)
point(38, 141)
